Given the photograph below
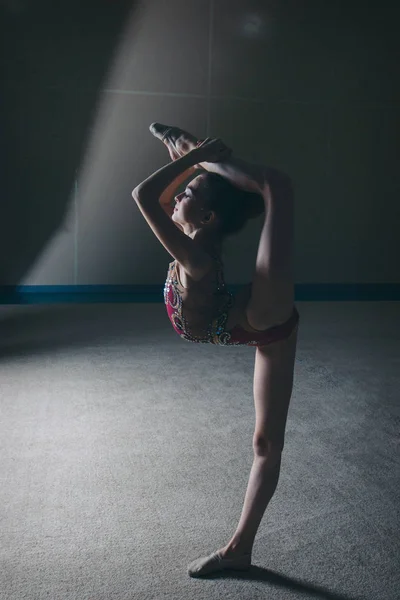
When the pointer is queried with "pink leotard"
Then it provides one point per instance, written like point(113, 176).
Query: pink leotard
point(216, 332)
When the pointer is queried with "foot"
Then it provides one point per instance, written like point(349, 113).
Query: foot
point(179, 139)
point(223, 559)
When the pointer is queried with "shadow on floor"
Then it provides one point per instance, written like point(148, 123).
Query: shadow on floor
point(276, 579)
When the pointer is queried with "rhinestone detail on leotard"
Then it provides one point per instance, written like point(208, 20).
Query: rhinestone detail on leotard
point(215, 333)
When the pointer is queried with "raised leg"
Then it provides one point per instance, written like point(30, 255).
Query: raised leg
point(272, 291)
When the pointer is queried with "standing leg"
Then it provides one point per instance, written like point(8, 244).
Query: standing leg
point(273, 384)
point(263, 480)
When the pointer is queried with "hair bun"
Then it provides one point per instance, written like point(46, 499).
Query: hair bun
point(233, 205)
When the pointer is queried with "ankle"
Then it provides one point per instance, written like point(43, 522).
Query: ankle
point(185, 145)
point(238, 547)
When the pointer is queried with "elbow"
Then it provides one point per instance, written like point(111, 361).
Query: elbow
point(140, 195)
point(135, 194)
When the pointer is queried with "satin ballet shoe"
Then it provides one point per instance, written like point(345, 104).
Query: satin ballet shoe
point(159, 130)
point(181, 139)
point(214, 563)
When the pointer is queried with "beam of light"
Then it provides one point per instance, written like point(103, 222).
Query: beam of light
point(105, 149)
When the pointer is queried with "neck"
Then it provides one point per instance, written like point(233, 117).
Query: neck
point(208, 244)
point(212, 248)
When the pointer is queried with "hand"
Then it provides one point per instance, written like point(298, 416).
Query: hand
point(174, 154)
point(211, 150)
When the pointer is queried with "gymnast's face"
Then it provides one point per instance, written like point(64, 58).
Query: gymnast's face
point(190, 207)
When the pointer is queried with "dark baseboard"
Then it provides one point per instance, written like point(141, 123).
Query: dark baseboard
point(55, 294)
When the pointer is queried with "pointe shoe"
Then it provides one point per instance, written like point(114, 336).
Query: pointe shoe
point(214, 563)
point(182, 140)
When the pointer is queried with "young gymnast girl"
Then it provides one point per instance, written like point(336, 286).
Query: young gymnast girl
point(216, 203)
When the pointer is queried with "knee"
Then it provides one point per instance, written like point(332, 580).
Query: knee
point(270, 450)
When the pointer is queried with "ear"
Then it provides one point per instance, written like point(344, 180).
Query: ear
point(208, 217)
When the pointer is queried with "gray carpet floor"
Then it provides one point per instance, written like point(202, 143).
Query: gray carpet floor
point(126, 451)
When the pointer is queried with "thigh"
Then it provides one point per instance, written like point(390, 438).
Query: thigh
point(272, 290)
point(273, 385)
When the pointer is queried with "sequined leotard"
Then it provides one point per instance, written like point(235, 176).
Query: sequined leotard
point(215, 332)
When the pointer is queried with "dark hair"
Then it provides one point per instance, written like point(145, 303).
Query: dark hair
point(232, 205)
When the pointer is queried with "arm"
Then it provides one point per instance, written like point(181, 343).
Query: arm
point(169, 191)
point(245, 175)
point(153, 187)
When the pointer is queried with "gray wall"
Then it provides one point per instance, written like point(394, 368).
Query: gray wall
point(309, 87)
